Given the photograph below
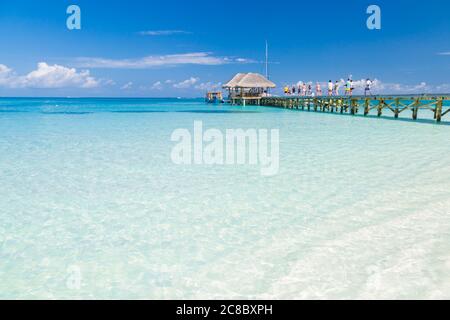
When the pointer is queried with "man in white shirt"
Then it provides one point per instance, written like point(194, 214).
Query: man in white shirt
point(368, 88)
point(330, 88)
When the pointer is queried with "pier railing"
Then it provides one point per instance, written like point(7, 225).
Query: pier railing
point(438, 105)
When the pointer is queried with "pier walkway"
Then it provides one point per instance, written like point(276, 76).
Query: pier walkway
point(439, 106)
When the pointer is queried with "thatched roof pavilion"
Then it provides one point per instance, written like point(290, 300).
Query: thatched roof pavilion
point(249, 80)
point(248, 87)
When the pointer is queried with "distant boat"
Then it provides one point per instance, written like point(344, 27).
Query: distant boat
point(214, 97)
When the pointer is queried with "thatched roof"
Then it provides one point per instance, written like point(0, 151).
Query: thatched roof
point(249, 80)
point(233, 82)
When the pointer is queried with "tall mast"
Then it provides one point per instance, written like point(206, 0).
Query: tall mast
point(267, 60)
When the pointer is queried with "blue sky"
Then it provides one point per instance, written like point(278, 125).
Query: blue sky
point(181, 48)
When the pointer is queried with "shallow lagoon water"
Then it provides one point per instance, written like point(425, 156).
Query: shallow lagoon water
point(360, 207)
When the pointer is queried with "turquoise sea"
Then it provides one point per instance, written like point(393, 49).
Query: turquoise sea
point(92, 207)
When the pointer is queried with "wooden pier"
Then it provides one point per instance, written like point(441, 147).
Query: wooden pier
point(396, 105)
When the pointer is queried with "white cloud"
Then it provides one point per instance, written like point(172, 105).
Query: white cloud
point(422, 87)
point(163, 32)
point(127, 86)
point(443, 88)
point(4, 70)
point(245, 60)
point(48, 76)
point(5, 75)
point(192, 82)
point(207, 86)
point(109, 82)
point(444, 53)
point(157, 86)
point(57, 76)
point(186, 83)
point(395, 88)
point(195, 58)
point(400, 88)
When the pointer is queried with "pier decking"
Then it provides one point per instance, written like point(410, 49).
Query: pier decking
point(438, 105)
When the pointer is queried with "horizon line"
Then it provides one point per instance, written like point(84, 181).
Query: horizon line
point(202, 97)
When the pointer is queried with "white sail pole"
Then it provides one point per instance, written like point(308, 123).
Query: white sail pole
point(267, 60)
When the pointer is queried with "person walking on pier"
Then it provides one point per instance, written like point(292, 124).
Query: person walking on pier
point(330, 88)
point(336, 88)
point(318, 89)
point(348, 86)
point(303, 89)
point(352, 87)
point(368, 91)
point(293, 90)
point(310, 91)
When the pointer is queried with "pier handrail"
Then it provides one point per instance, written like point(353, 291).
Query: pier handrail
point(436, 103)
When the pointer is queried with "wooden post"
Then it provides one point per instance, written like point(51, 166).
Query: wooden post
point(397, 105)
point(416, 108)
point(380, 107)
point(366, 106)
point(352, 107)
point(439, 105)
